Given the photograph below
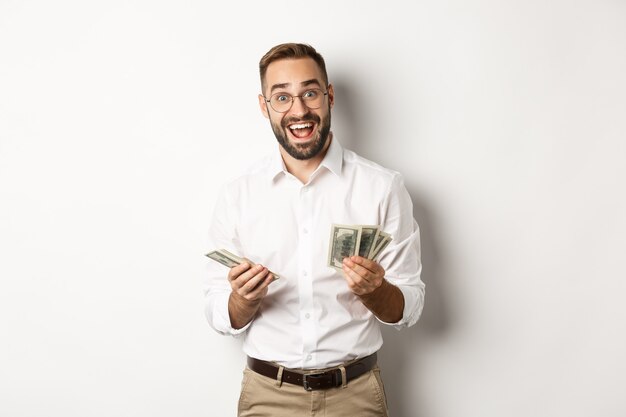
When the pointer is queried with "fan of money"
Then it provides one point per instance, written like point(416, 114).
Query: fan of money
point(352, 240)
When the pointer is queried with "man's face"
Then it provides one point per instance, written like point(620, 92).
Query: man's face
point(301, 131)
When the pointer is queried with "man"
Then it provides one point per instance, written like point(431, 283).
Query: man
point(311, 335)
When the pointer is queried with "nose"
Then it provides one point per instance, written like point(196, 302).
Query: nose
point(298, 107)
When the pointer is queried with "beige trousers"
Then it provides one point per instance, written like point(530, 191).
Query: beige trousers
point(265, 397)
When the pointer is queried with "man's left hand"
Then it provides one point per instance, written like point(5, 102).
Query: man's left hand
point(363, 275)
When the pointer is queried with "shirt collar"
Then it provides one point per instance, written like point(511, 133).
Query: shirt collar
point(277, 165)
point(333, 161)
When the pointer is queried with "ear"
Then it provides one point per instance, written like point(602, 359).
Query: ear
point(331, 95)
point(263, 106)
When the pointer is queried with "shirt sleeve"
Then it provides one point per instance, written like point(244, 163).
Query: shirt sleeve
point(216, 288)
point(401, 259)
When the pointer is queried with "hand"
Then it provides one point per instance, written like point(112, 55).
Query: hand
point(363, 275)
point(250, 282)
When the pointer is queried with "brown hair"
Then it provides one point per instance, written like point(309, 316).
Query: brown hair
point(291, 51)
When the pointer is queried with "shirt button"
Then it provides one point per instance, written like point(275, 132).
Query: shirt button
point(307, 315)
point(305, 230)
point(309, 357)
point(304, 273)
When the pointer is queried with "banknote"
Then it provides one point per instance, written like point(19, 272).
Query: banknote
point(344, 242)
point(230, 260)
point(225, 258)
point(378, 239)
point(385, 239)
point(368, 237)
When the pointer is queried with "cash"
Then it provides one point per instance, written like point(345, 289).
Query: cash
point(382, 240)
point(350, 240)
point(230, 260)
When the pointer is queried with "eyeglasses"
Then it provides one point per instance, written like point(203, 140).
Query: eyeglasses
point(282, 102)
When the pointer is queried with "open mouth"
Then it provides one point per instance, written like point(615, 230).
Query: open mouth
point(301, 130)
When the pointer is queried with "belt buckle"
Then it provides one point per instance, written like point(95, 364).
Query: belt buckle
point(305, 380)
point(328, 377)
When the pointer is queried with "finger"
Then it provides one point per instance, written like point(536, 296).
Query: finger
point(235, 271)
point(251, 283)
point(354, 276)
point(240, 280)
point(261, 288)
point(256, 294)
point(368, 264)
point(353, 280)
point(361, 271)
point(348, 276)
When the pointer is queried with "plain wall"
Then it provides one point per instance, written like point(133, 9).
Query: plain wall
point(120, 119)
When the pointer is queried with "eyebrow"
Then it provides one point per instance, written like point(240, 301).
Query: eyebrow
point(303, 84)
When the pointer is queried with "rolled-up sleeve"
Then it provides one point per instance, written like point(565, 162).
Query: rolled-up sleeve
point(402, 257)
point(216, 288)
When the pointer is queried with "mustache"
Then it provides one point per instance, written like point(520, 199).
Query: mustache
point(306, 118)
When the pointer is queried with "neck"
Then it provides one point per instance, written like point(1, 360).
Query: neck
point(302, 169)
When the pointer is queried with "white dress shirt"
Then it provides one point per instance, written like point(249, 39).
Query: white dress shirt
point(310, 318)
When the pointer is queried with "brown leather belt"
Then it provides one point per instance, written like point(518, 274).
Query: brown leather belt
point(314, 381)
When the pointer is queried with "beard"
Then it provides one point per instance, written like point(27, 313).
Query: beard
point(303, 151)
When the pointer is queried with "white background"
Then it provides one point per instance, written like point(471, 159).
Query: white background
point(119, 119)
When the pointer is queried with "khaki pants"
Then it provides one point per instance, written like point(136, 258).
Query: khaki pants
point(265, 397)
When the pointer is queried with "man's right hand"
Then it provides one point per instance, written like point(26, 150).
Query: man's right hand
point(250, 282)
point(249, 286)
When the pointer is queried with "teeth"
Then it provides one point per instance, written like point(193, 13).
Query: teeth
point(300, 126)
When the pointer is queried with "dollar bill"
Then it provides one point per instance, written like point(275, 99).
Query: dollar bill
point(225, 258)
point(380, 237)
point(344, 242)
point(230, 260)
point(368, 238)
point(385, 239)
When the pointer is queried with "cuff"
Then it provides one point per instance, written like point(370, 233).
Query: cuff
point(223, 318)
point(409, 302)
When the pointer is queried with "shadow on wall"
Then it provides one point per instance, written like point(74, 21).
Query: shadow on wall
point(400, 355)
point(345, 116)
